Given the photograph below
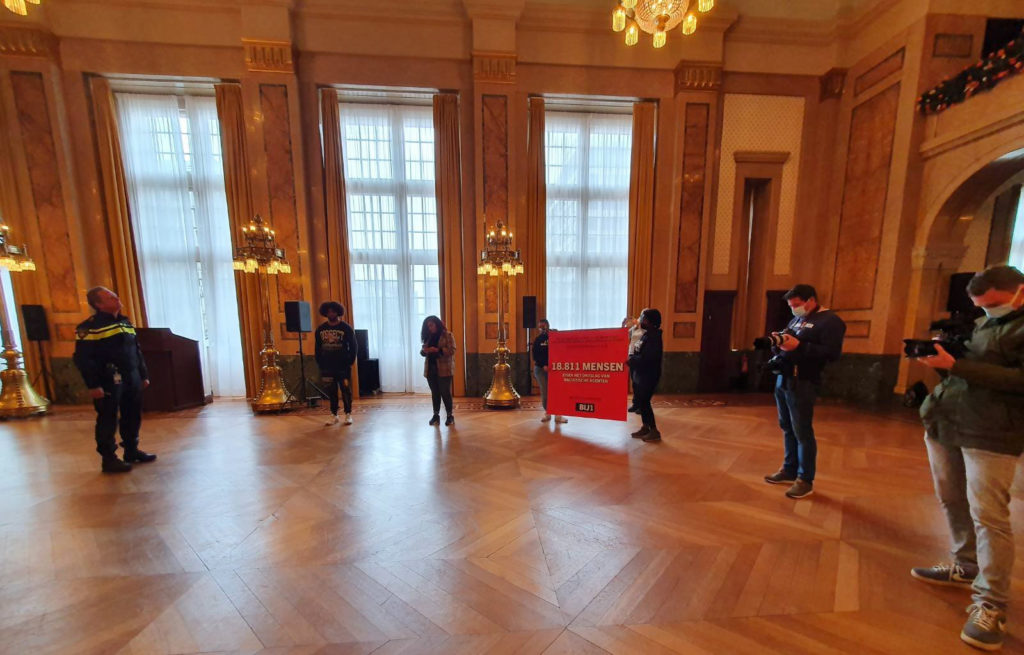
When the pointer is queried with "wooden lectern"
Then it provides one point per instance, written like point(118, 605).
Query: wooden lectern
point(175, 371)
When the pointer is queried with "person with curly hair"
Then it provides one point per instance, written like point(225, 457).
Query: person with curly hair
point(438, 366)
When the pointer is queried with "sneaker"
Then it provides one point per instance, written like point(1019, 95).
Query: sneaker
point(651, 436)
point(947, 575)
point(348, 419)
point(435, 420)
point(561, 419)
point(449, 420)
point(985, 627)
point(114, 465)
point(631, 409)
point(545, 418)
point(780, 477)
point(639, 434)
point(333, 420)
point(137, 456)
point(800, 489)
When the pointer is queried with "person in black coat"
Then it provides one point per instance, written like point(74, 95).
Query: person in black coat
point(336, 352)
point(645, 372)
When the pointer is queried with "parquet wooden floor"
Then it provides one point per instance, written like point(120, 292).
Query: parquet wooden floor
point(276, 535)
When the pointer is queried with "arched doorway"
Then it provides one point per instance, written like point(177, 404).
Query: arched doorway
point(955, 235)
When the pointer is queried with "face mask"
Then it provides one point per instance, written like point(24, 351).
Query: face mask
point(1001, 310)
point(800, 311)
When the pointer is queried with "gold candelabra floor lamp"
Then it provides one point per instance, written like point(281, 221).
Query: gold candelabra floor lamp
point(259, 255)
point(501, 261)
point(17, 397)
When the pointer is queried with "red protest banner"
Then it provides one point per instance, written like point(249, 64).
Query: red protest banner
point(587, 373)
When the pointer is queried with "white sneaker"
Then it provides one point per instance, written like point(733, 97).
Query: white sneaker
point(348, 419)
point(332, 421)
point(561, 419)
point(545, 418)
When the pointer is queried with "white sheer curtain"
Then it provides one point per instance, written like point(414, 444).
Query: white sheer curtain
point(12, 307)
point(392, 218)
point(1017, 241)
point(180, 223)
point(587, 162)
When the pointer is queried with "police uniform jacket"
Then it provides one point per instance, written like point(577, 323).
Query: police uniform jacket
point(107, 345)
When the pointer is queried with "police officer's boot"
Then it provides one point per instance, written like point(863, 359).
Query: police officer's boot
point(111, 464)
point(136, 456)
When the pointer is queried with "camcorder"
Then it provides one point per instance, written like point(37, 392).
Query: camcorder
point(778, 364)
point(952, 334)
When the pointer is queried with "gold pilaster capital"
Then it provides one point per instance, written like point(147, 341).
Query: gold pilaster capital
point(268, 56)
point(695, 76)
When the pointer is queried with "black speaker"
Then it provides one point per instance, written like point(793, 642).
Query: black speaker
point(529, 312)
point(34, 318)
point(369, 377)
point(363, 344)
point(297, 317)
point(959, 300)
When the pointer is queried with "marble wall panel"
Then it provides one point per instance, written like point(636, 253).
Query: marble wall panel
point(47, 191)
point(494, 129)
point(695, 145)
point(277, 145)
point(864, 194)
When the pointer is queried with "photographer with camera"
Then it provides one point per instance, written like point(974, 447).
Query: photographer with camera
point(800, 352)
point(974, 432)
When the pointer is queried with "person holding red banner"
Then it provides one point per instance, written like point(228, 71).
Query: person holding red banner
point(645, 372)
point(539, 353)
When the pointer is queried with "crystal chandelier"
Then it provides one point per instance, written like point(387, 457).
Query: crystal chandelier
point(657, 17)
point(259, 251)
point(18, 6)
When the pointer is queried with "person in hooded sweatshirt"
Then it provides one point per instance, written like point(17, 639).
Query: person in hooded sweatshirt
point(645, 372)
point(336, 352)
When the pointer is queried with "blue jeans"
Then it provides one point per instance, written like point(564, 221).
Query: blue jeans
point(795, 400)
point(542, 382)
point(973, 487)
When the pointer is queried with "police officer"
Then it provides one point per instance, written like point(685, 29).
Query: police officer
point(108, 357)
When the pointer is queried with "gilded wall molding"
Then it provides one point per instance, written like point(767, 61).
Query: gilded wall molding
point(268, 56)
point(495, 67)
point(698, 77)
point(27, 42)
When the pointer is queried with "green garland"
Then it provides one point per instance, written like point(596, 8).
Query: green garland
point(982, 76)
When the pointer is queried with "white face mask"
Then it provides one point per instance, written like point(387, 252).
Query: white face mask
point(1001, 310)
point(800, 311)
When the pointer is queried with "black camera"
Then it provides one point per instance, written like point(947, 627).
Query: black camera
point(953, 335)
point(773, 340)
point(779, 365)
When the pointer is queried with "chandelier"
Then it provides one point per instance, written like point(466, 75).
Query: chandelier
point(657, 17)
point(502, 261)
point(18, 6)
point(259, 251)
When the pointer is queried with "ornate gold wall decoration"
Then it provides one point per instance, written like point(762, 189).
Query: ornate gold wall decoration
point(698, 77)
point(24, 42)
point(494, 67)
point(268, 56)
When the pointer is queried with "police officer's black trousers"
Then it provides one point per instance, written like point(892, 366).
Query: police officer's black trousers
point(123, 399)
